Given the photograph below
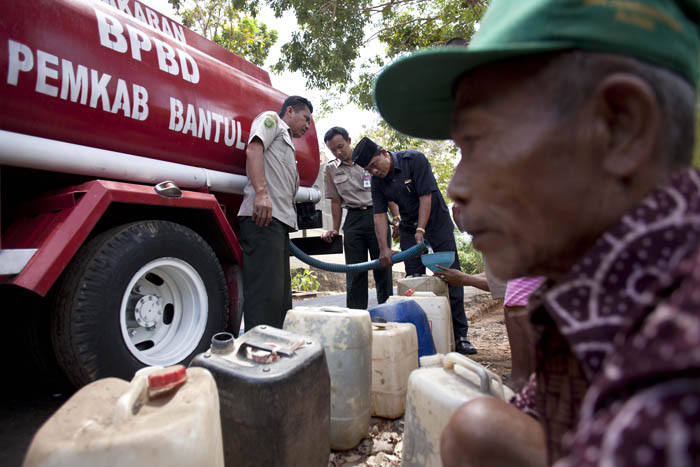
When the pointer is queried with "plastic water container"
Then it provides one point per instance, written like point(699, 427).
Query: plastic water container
point(394, 356)
point(274, 390)
point(423, 284)
point(111, 422)
point(439, 314)
point(435, 391)
point(346, 336)
point(408, 311)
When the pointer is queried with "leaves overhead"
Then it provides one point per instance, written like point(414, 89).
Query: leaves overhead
point(330, 34)
point(231, 24)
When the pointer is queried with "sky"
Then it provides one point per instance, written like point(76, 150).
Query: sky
point(350, 116)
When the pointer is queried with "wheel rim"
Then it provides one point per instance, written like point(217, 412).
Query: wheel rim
point(164, 312)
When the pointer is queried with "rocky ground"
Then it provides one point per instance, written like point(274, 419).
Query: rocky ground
point(383, 445)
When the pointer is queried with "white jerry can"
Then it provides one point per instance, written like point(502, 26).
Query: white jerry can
point(435, 391)
point(394, 356)
point(423, 284)
point(437, 310)
point(111, 422)
point(346, 336)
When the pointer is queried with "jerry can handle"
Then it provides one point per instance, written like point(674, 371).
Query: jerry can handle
point(134, 396)
point(485, 376)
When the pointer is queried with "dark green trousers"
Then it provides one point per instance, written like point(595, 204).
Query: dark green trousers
point(267, 285)
point(358, 231)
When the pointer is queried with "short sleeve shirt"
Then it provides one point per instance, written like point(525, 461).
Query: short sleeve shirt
point(348, 182)
point(412, 178)
point(281, 173)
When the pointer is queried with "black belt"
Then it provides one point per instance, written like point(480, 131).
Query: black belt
point(363, 208)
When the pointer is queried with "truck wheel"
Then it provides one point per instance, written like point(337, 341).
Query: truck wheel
point(146, 293)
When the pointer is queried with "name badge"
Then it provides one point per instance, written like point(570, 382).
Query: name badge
point(366, 180)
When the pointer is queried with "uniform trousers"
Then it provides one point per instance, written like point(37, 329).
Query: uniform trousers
point(358, 231)
point(267, 285)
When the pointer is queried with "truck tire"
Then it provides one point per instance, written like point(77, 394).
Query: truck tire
point(145, 293)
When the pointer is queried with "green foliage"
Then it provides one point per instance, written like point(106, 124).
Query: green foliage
point(327, 46)
point(305, 281)
point(441, 154)
point(470, 260)
point(330, 36)
point(226, 23)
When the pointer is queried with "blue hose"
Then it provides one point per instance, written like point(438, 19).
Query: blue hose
point(413, 252)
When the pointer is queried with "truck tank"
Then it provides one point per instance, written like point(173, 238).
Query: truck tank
point(126, 79)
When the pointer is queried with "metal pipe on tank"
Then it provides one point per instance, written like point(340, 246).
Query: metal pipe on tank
point(32, 152)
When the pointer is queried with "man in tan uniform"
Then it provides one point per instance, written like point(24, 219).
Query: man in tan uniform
point(268, 212)
point(348, 186)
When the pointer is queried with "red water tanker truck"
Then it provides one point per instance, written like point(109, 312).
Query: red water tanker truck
point(100, 102)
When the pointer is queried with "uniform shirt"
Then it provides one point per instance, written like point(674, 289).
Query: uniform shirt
point(347, 182)
point(412, 178)
point(281, 173)
point(618, 349)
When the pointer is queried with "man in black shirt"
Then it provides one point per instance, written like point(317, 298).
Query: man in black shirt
point(405, 177)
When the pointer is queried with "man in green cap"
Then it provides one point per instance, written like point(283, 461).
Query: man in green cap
point(575, 119)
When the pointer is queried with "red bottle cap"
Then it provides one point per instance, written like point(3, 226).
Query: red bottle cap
point(408, 293)
point(167, 377)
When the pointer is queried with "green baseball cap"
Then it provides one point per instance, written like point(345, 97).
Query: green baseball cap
point(662, 32)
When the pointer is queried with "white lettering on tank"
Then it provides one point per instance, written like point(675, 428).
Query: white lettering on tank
point(218, 119)
point(43, 71)
point(166, 57)
point(98, 89)
point(239, 144)
point(152, 18)
point(204, 124)
point(176, 120)
point(179, 33)
point(229, 139)
point(109, 2)
point(187, 62)
point(16, 63)
point(74, 82)
point(121, 99)
point(124, 6)
point(138, 13)
point(140, 109)
point(190, 121)
point(139, 41)
point(111, 32)
point(166, 27)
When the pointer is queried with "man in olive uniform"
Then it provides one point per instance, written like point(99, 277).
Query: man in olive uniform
point(268, 212)
point(348, 186)
point(406, 178)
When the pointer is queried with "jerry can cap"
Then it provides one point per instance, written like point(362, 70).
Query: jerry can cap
point(167, 378)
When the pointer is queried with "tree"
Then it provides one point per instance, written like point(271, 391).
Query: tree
point(231, 24)
point(441, 154)
point(331, 33)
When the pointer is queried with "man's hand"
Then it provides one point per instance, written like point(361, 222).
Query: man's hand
point(395, 232)
point(262, 209)
point(419, 236)
point(328, 235)
point(451, 276)
point(385, 256)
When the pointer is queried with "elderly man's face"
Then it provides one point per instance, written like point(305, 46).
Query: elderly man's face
point(525, 188)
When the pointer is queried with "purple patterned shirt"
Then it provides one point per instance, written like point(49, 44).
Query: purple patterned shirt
point(618, 374)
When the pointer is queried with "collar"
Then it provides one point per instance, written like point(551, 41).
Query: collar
point(625, 274)
point(395, 163)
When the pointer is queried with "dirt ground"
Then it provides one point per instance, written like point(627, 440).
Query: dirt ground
point(487, 331)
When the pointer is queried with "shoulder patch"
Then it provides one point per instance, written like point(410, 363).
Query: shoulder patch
point(269, 122)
